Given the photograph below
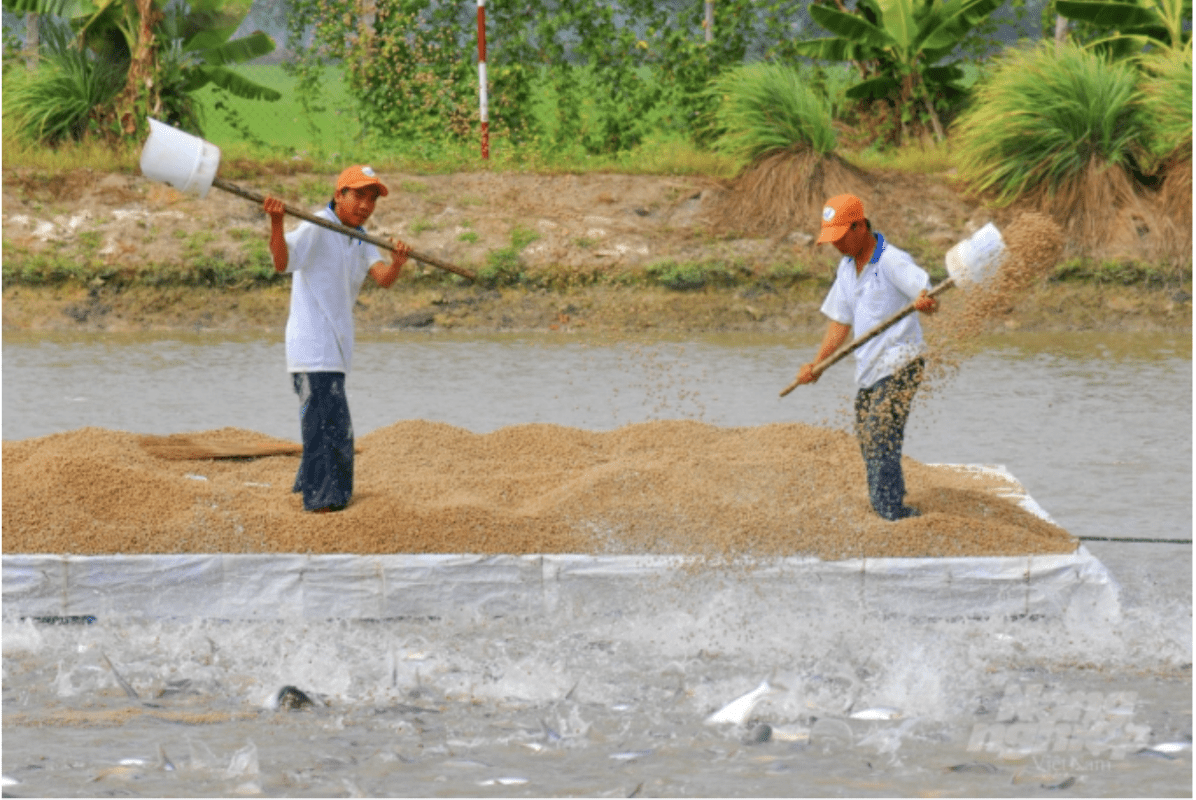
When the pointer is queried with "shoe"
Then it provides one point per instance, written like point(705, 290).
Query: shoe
point(326, 509)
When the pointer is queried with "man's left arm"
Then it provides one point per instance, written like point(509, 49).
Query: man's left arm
point(385, 274)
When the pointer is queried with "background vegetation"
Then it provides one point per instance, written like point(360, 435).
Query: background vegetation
point(1093, 124)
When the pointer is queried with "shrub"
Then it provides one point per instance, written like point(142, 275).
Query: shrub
point(1167, 103)
point(767, 107)
point(1041, 120)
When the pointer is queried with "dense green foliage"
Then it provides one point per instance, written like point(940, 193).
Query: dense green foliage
point(1042, 117)
point(899, 47)
point(410, 66)
point(761, 108)
point(1128, 26)
point(162, 51)
point(56, 102)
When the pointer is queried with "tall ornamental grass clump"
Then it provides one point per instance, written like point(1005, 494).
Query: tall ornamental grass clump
point(55, 102)
point(782, 130)
point(1167, 107)
point(1167, 103)
point(1041, 120)
point(1059, 130)
point(764, 108)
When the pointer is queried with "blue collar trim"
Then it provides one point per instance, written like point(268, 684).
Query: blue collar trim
point(880, 248)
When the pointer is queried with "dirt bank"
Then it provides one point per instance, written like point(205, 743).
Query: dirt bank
point(98, 251)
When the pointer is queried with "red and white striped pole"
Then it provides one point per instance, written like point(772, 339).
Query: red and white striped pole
point(483, 105)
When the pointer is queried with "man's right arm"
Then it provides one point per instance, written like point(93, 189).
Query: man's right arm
point(836, 334)
point(278, 243)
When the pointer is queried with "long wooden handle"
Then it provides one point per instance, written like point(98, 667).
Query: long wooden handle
point(220, 183)
point(842, 352)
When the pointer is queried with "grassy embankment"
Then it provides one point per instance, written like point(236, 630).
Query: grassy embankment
point(301, 143)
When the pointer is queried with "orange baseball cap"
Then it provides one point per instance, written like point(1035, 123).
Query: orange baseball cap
point(838, 214)
point(359, 176)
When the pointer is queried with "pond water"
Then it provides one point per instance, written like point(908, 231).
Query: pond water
point(1097, 427)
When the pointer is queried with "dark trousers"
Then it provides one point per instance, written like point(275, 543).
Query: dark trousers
point(326, 469)
point(881, 411)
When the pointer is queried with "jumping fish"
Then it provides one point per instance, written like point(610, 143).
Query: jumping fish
point(129, 690)
point(877, 714)
point(739, 710)
point(503, 782)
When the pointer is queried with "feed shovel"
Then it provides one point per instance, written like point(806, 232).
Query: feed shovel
point(189, 164)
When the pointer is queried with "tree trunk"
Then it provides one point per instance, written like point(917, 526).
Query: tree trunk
point(140, 94)
point(939, 133)
point(1061, 26)
point(32, 40)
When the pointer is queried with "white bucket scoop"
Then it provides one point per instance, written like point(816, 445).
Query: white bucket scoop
point(970, 263)
point(186, 162)
point(189, 164)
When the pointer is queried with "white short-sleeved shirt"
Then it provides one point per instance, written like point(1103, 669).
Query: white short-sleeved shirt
point(890, 281)
point(328, 270)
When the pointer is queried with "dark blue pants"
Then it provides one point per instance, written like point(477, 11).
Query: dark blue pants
point(881, 411)
point(326, 469)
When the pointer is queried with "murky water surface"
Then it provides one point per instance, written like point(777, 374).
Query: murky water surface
point(1098, 428)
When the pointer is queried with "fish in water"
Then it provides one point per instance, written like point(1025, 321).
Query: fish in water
point(129, 690)
point(877, 714)
point(790, 733)
point(292, 699)
point(759, 734)
point(973, 766)
point(1066, 783)
point(739, 710)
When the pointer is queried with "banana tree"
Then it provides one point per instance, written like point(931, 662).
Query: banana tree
point(168, 49)
point(898, 45)
point(1133, 25)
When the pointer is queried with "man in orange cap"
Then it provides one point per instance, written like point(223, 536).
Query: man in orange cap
point(328, 271)
point(873, 281)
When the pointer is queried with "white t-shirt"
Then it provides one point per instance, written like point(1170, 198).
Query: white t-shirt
point(890, 281)
point(328, 269)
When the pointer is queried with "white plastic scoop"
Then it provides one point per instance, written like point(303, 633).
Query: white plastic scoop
point(189, 164)
point(970, 263)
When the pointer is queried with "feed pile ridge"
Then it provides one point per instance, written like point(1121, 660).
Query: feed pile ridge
point(668, 487)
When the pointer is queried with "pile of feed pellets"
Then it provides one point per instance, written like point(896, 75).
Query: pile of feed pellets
point(669, 487)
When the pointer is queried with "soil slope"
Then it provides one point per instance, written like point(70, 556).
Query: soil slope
point(583, 229)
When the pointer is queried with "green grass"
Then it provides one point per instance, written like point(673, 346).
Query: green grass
point(283, 125)
point(911, 157)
